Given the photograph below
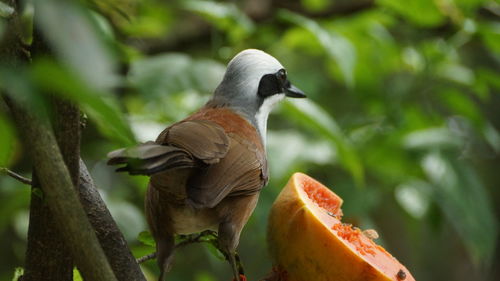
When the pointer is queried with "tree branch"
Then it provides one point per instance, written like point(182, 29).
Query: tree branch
point(112, 241)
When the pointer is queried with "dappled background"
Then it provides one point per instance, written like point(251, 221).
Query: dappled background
point(402, 120)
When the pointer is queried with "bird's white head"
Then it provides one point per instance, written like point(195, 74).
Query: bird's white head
point(253, 83)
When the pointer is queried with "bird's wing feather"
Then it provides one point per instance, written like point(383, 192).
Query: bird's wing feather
point(242, 171)
point(186, 144)
point(143, 151)
point(150, 158)
point(203, 139)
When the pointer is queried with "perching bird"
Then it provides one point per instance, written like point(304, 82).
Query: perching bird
point(208, 169)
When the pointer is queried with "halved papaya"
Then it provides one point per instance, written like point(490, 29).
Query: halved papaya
point(308, 241)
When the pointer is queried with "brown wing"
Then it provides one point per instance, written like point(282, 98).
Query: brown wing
point(242, 171)
point(150, 158)
point(205, 140)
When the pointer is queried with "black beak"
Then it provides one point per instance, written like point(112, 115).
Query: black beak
point(294, 92)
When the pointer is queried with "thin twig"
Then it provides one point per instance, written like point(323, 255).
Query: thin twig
point(198, 238)
point(189, 240)
point(15, 176)
point(146, 258)
point(193, 239)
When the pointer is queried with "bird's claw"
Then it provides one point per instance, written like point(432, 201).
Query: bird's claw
point(242, 278)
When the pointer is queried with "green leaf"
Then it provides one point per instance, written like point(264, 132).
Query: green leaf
point(146, 19)
point(76, 275)
point(38, 192)
point(225, 16)
point(431, 138)
point(293, 150)
point(171, 85)
point(492, 136)
point(19, 85)
point(27, 23)
point(456, 72)
point(490, 33)
point(470, 6)
point(73, 35)
point(6, 11)
point(337, 47)
point(314, 117)
point(212, 249)
point(465, 202)
point(413, 59)
point(146, 238)
point(420, 12)
point(18, 272)
point(101, 108)
point(461, 103)
point(171, 73)
point(6, 142)
point(414, 197)
point(204, 276)
point(316, 5)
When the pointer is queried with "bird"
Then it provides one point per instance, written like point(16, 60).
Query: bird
point(207, 170)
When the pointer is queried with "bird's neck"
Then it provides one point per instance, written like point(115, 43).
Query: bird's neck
point(257, 119)
point(260, 122)
point(260, 117)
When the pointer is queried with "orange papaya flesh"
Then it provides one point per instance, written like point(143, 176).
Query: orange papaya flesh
point(308, 240)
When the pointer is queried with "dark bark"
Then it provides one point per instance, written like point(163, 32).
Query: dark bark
point(112, 241)
point(46, 256)
point(63, 203)
point(67, 132)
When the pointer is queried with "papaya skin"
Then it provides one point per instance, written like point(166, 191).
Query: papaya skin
point(303, 243)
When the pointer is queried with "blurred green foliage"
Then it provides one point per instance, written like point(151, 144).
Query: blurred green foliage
point(402, 120)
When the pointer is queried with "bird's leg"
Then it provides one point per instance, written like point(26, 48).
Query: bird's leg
point(165, 249)
point(234, 267)
point(234, 213)
point(228, 241)
point(238, 263)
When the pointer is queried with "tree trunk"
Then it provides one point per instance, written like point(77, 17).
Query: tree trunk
point(47, 256)
point(64, 205)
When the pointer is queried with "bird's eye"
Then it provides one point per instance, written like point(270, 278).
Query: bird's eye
point(282, 75)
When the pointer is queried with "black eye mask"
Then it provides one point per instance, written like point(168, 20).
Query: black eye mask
point(269, 85)
point(275, 83)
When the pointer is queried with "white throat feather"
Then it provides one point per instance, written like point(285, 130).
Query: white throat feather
point(263, 113)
